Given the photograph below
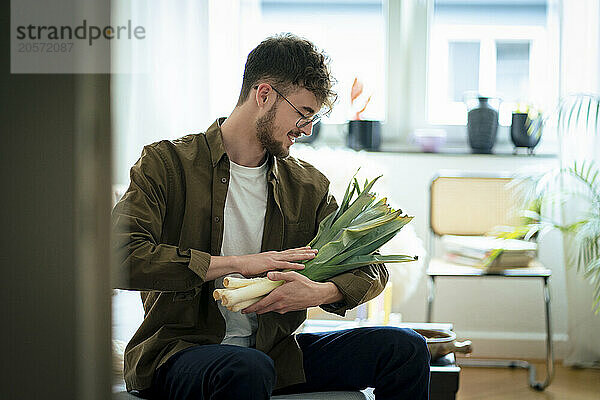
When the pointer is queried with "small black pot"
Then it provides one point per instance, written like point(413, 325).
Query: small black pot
point(364, 134)
point(519, 135)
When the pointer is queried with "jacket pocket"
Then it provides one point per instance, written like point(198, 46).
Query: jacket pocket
point(181, 308)
point(185, 296)
point(297, 234)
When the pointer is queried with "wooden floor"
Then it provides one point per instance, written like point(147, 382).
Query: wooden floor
point(504, 383)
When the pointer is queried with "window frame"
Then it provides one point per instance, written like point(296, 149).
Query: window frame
point(442, 111)
point(409, 25)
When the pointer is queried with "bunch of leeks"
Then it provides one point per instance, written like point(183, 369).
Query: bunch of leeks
point(346, 240)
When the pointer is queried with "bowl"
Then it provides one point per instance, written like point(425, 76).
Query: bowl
point(429, 140)
point(442, 342)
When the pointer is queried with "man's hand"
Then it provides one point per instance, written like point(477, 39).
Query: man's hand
point(297, 293)
point(255, 264)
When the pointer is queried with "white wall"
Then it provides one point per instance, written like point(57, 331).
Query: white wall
point(503, 317)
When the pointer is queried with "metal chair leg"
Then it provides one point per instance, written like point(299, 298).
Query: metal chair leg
point(524, 364)
point(430, 298)
point(549, 345)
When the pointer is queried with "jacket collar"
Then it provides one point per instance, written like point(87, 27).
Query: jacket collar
point(214, 137)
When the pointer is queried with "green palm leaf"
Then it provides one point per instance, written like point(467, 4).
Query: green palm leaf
point(577, 114)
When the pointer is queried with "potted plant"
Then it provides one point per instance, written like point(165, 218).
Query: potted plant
point(362, 134)
point(526, 127)
point(568, 199)
point(577, 184)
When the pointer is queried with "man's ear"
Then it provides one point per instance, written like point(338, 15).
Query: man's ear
point(264, 91)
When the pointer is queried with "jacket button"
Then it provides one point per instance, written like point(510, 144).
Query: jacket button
point(223, 180)
point(217, 219)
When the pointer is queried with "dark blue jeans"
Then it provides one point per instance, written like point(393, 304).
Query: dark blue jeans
point(392, 360)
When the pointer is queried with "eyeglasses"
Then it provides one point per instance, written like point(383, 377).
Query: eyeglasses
point(303, 120)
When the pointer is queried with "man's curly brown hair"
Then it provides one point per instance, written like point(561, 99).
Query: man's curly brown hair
point(287, 60)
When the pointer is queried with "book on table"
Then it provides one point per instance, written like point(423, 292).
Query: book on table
point(488, 252)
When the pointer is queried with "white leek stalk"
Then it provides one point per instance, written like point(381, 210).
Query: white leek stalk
point(231, 282)
point(243, 304)
point(259, 287)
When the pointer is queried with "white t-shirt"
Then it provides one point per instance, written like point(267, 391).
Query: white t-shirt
point(244, 219)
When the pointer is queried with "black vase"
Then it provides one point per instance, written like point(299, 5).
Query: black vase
point(519, 133)
point(482, 127)
point(364, 134)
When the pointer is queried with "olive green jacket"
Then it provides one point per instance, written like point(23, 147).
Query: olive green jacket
point(169, 223)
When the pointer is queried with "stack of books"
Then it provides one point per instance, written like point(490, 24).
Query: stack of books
point(489, 252)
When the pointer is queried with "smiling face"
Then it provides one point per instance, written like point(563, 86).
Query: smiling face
point(276, 130)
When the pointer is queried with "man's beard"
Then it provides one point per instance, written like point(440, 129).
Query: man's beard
point(265, 127)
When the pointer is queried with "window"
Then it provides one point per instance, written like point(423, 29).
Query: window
point(512, 69)
point(419, 64)
point(463, 69)
point(352, 33)
point(502, 49)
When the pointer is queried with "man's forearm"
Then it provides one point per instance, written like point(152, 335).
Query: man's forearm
point(331, 293)
point(221, 266)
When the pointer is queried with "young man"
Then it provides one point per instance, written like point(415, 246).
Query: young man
point(232, 201)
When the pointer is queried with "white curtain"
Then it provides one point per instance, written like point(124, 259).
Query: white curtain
point(234, 30)
point(186, 72)
point(580, 62)
point(159, 85)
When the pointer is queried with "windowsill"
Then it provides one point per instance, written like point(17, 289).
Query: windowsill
point(545, 150)
point(500, 149)
point(334, 136)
